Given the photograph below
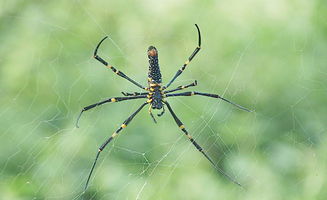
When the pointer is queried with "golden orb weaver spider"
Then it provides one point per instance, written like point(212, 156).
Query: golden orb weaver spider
point(155, 95)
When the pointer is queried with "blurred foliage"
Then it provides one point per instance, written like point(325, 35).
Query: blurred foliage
point(269, 56)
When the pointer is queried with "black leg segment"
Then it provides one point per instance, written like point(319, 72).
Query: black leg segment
point(182, 87)
point(124, 125)
point(115, 99)
point(134, 93)
point(197, 146)
point(196, 50)
point(119, 73)
point(208, 95)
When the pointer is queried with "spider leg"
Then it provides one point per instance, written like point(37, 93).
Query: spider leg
point(119, 73)
point(195, 83)
point(163, 111)
point(134, 93)
point(115, 99)
point(208, 95)
point(125, 123)
point(197, 146)
point(196, 50)
point(150, 112)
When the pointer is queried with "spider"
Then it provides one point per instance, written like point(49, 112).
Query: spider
point(155, 96)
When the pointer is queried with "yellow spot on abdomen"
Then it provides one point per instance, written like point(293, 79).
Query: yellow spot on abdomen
point(123, 125)
point(113, 100)
point(154, 84)
point(181, 126)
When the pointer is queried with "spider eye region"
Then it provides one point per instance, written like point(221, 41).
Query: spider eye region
point(152, 51)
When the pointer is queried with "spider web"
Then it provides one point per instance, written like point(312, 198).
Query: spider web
point(48, 75)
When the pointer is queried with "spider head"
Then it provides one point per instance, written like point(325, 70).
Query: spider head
point(152, 52)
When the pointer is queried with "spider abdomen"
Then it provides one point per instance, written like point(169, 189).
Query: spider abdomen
point(154, 71)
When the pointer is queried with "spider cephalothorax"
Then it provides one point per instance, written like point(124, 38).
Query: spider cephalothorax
point(155, 96)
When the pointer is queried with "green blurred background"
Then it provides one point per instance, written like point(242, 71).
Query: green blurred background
point(269, 56)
